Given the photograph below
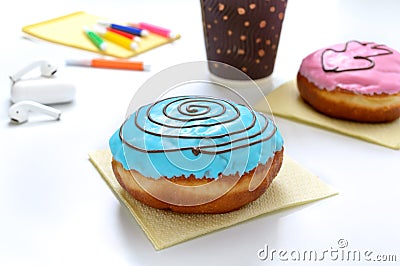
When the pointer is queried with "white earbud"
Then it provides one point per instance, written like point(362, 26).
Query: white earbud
point(46, 69)
point(19, 112)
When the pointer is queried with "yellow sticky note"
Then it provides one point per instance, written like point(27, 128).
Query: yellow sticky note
point(68, 30)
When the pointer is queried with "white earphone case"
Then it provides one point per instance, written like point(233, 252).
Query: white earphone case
point(43, 90)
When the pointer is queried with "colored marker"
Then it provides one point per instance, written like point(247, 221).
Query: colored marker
point(131, 30)
point(117, 39)
point(154, 29)
point(127, 35)
point(108, 63)
point(96, 39)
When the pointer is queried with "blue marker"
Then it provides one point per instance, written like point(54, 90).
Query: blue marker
point(130, 30)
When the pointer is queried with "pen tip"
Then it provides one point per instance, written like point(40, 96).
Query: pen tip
point(144, 33)
point(134, 46)
point(146, 67)
point(103, 23)
point(103, 46)
point(100, 29)
point(172, 35)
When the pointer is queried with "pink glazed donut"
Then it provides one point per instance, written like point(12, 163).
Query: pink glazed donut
point(357, 81)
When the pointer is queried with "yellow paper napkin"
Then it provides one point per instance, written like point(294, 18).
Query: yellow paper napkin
point(68, 30)
point(293, 186)
point(285, 101)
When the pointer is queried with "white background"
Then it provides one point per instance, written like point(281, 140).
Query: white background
point(56, 210)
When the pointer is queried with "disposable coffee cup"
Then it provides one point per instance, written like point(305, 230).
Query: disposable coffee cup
point(243, 34)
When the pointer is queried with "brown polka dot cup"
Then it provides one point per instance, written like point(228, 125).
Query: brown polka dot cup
point(243, 34)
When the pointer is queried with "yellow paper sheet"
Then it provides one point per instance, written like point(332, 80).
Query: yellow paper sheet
point(285, 101)
point(68, 30)
point(293, 186)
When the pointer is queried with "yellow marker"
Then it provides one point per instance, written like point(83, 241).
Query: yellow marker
point(117, 39)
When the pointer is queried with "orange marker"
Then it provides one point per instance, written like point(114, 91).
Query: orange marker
point(109, 63)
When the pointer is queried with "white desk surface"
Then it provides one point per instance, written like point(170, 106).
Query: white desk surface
point(56, 210)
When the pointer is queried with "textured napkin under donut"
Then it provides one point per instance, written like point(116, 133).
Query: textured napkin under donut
point(285, 101)
point(293, 186)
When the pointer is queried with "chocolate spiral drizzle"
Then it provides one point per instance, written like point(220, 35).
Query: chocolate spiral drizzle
point(195, 112)
point(384, 51)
